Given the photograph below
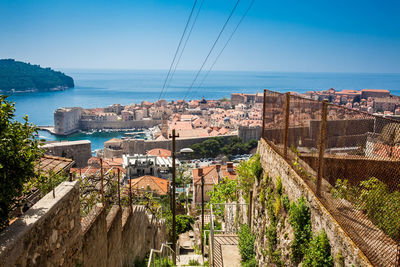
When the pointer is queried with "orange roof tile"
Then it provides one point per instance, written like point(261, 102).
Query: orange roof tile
point(156, 184)
point(160, 152)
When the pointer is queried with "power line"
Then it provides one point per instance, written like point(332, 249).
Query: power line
point(177, 49)
point(212, 48)
point(226, 44)
point(184, 46)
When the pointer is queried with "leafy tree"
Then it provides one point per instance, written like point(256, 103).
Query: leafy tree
point(222, 192)
point(218, 145)
point(247, 171)
point(18, 152)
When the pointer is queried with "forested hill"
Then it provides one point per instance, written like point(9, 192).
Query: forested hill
point(16, 76)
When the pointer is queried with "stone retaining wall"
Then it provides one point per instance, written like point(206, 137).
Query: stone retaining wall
point(294, 186)
point(52, 233)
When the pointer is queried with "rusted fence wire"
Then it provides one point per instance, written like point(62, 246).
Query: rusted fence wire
point(350, 159)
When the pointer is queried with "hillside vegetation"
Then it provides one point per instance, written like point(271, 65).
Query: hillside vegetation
point(18, 76)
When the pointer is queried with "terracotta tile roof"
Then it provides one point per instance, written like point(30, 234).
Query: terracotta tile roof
point(160, 152)
point(156, 184)
point(161, 138)
point(181, 125)
point(375, 90)
point(211, 175)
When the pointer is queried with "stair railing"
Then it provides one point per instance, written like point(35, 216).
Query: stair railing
point(164, 254)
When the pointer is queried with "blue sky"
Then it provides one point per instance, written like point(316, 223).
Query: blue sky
point(307, 36)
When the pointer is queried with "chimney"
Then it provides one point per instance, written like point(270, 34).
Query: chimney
point(229, 166)
point(218, 167)
point(200, 171)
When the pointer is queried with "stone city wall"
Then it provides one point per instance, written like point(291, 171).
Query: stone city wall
point(247, 133)
point(294, 186)
point(86, 125)
point(52, 233)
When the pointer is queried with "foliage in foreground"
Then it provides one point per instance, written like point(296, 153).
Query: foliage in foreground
point(300, 220)
point(246, 244)
point(372, 196)
point(19, 150)
point(318, 253)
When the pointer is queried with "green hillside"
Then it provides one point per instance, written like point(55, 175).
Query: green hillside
point(20, 76)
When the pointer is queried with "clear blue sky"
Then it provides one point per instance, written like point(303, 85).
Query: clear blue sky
point(319, 36)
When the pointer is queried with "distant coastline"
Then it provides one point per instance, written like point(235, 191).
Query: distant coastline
point(20, 77)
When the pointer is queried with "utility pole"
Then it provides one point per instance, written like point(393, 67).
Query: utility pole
point(201, 174)
point(173, 136)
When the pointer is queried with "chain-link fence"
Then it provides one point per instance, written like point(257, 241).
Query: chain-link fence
point(350, 159)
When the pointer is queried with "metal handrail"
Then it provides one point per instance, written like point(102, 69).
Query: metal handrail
point(164, 253)
point(211, 236)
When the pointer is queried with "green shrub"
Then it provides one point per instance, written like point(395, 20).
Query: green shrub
point(256, 167)
point(279, 186)
point(318, 253)
point(193, 262)
point(286, 202)
point(183, 223)
point(271, 237)
point(300, 220)
point(250, 263)
point(246, 243)
point(381, 205)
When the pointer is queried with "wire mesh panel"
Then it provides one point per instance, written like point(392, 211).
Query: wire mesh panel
point(351, 160)
point(274, 118)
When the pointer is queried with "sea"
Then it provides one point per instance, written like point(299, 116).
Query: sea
point(100, 88)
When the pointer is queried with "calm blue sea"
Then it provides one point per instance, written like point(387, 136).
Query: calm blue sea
point(100, 88)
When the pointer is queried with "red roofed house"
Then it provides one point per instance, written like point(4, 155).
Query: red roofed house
point(157, 185)
point(212, 175)
point(159, 152)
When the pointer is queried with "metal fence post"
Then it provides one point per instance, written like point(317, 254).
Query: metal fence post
point(322, 137)
point(263, 114)
point(287, 113)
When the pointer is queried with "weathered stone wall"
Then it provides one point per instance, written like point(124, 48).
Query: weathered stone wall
point(94, 241)
point(87, 125)
point(48, 234)
point(52, 233)
point(294, 186)
point(114, 237)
